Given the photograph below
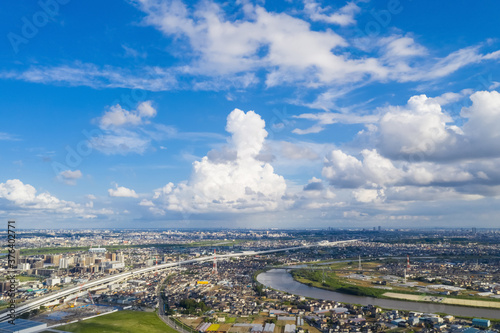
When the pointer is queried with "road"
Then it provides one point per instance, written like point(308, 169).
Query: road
point(36, 303)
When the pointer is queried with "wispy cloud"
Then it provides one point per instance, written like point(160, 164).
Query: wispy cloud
point(261, 46)
point(126, 132)
point(8, 137)
point(343, 17)
point(98, 77)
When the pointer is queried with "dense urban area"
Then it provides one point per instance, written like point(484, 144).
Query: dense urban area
point(215, 280)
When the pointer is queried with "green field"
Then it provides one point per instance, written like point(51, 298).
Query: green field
point(332, 282)
point(121, 322)
point(23, 278)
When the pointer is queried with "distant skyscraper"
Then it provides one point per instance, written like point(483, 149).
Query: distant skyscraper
point(379, 228)
point(474, 230)
point(17, 252)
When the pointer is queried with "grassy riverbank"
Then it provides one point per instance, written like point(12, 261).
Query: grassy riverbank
point(333, 283)
point(330, 281)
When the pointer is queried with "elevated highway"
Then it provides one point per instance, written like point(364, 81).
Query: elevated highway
point(36, 303)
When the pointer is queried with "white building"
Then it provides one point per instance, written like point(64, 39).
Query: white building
point(97, 250)
point(63, 263)
point(53, 281)
point(24, 266)
point(113, 264)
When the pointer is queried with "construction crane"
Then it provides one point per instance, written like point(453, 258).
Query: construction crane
point(94, 307)
point(76, 298)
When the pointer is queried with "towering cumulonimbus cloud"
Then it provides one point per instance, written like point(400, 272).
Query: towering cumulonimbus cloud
point(231, 179)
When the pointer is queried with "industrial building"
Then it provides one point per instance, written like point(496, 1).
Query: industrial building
point(484, 323)
point(22, 326)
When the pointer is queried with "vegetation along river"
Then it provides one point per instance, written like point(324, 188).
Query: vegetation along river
point(281, 279)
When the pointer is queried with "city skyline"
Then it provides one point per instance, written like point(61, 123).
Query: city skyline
point(290, 114)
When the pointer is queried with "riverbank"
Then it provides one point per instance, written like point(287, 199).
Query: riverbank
point(283, 281)
point(445, 300)
point(345, 277)
point(333, 283)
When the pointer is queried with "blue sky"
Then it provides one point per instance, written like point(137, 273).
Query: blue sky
point(250, 114)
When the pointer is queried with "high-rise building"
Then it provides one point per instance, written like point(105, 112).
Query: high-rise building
point(17, 252)
point(4, 286)
point(53, 259)
point(63, 263)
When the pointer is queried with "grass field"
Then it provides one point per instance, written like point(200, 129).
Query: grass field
point(120, 322)
point(332, 282)
point(23, 278)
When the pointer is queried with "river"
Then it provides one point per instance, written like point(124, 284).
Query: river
point(281, 279)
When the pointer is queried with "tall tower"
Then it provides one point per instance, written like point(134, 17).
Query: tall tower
point(408, 263)
point(359, 266)
point(16, 257)
point(214, 269)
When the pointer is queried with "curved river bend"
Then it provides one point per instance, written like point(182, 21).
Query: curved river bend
point(281, 279)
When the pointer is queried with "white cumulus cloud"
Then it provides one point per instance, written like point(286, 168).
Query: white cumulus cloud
point(122, 192)
point(116, 116)
point(14, 193)
point(242, 182)
point(121, 130)
point(69, 177)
